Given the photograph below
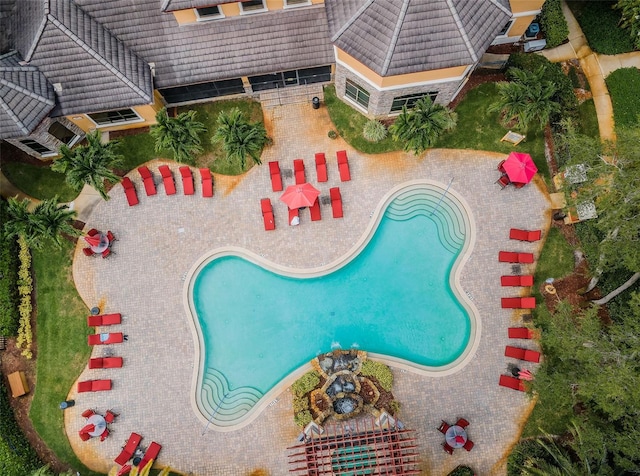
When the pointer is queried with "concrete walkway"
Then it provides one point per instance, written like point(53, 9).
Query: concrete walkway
point(596, 68)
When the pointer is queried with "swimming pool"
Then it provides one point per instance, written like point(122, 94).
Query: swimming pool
point(394, 295)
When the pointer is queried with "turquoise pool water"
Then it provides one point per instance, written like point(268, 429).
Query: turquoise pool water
point(394, 298)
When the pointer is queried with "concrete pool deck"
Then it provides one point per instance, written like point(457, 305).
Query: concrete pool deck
point(160, 239)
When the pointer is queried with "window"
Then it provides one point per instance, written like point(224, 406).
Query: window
point(195, 92)
point(505, 29)
point(410, 100)
point(296, 3)
point(61, 133)
point(252, 6)
point(115, 117)
point(37, 147)
point(209, 13)
point(357, 93)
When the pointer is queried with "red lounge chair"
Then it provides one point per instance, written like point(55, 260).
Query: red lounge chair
point(167, 179)
point(526, 280)
point(462, 423)
point(520, 333)
point(84, 436)
point(315, 211)
point(105, 363)
point(207, 183)
point(298, 169)
point(447, 448)
point(112, 338)
point(511, 382)
point(147, 179)
point(293, 212)
point(267, 214)
point(151, 454)
point(511, 257)
point(88, 413)
point(524, 235)
point(336, 202)
point(94, 386)
point(321, 167)
point(187, 180)
point(343, 166)
point(522, 354)
point(469, 445)
point(130, 191)
point(104, 320)
point(276, 178)
point(444, 426)
point(519, 303)
point(503, 181)
point(88, 251)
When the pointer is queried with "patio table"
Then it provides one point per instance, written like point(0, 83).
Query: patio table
point(103, 245)
point(456, 436)
point(99, 423)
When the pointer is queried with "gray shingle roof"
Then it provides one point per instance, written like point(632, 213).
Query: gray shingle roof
point(406, 36)
point(244, 45)
point(25, 97)
point(96, 70)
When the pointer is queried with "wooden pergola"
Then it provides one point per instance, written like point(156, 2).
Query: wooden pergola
point(356, 448)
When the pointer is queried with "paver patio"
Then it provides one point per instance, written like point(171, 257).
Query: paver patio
point(160, 240)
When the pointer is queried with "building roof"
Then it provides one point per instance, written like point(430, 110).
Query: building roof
point(95, 71)
point(26, 97)
point(174, 5)
point(394, 37)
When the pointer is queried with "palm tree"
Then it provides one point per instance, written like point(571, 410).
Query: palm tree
point(526, 99)
point(89, 164)
point(239, 137)
point(180, 135)
point(47, 221)
point(420, 127)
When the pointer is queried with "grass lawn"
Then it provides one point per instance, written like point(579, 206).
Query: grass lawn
point(599, 23)
point(588, 119)
point(478, 129)
point(62, 350)
point(37, 181)
point(623, 85)
point(138, 149)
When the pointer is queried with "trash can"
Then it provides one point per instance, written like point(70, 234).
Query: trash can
point(316, 102)
point(66, 404)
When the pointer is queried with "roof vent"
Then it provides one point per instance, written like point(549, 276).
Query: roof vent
point(153, 69)
point(57, 87)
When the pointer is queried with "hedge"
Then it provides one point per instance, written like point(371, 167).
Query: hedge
point(553, 24)
point(8, 280)
point(624, 85)
point(17, 457)
point(380, 371)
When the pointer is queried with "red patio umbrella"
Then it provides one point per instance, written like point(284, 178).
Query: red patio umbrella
point(520, 167)
point(93, 240)
point(459, 439)
point(88, 428)
point(298, 196)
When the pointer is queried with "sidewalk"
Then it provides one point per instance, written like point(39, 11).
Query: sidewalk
point(596, 67)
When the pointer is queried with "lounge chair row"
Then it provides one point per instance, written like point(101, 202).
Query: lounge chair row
point(129, 450)
point(321, 170)
point(206, 180)
point(336, 208)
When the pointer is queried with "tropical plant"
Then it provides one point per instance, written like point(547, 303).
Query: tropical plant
point(374, 131)
point(48, 220)
point(630, 10)
point(306, 383)
point(180, 135)
point(380, 371)
point(239, 137)
point(303, 418)
point(420, 127)
point(528, 98)
point(89, 164)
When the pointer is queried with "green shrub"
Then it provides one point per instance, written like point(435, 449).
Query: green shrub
point(552, 72)
point(624, 85)
point(300, 403)
point(573, 77)
point(600, 25)
point(553, 24)
point(394, 407)
point(374, 131)
point(8, 282)
point(303, 418)
point(462, 471)
point(25, 286)
point(380, 371)
point(522, 454)
point(17, 457)
point(306, 383)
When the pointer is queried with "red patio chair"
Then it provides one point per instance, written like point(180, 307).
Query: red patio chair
point(524, 280)
point(447, 448)
point(343, 166)
point(293, 212)
point(167, 179)
point(105, 434)
point(511, 382)
point(276, 178)
point(84, 436)
point(462, 423)
point(130, 191)
point(469, 445)
point(207, 182)
point(503, 181)
point(187, 180)
point(321, 167)
point(267, 214)
point(524, 235)
point(88, 251)
point(92, 232)
point(298, 168)
point(111, 237)
point(314, 210)
point(106, 253)
point(87, 413)
point(501, 167)
point(110, 417)
point(520, 333)
point(444, 426)
point(147, 180)
point(336, 202)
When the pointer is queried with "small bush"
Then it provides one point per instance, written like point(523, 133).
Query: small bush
point(553, 24)
point(25, 286)
point(624, 85)
point(303, 418)
point(300, 403)
point(573, 77)
point(8, 283)
point(332, 134)
point(600, 25)
point(374, 131)
point(462, 471)
point(380, 371)
point(394, 407)
point(306, 383)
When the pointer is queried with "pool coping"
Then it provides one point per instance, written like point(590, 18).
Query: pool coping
point(271, 396)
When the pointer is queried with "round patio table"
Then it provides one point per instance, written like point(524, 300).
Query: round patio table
point(456, 436)
point(99, 423)
point(103, 245)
